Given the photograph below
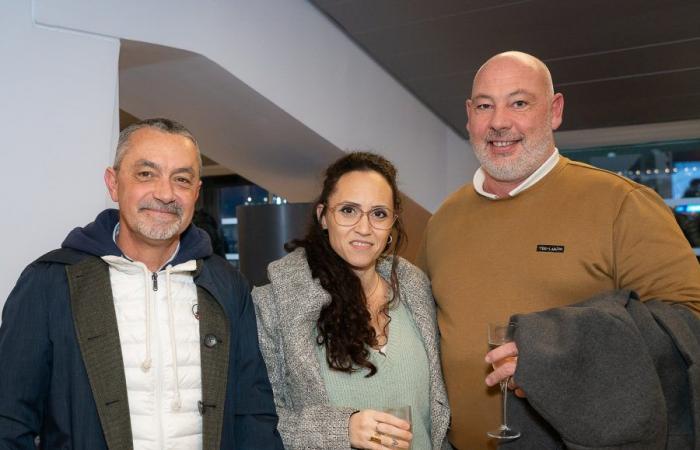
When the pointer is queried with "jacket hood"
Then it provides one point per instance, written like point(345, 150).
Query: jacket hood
point(96, 239)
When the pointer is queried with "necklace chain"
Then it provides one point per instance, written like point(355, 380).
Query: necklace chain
point(381, 337)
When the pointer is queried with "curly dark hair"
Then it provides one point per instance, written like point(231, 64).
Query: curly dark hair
point(344, 324)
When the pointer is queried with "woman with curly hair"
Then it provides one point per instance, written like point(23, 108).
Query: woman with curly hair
point(347, 328)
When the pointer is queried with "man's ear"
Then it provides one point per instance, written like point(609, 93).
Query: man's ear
point(112, 183)
point(320, 216)
point(557, 110)
point(468, 107)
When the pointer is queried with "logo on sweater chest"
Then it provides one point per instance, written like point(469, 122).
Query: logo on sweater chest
point(550, 248)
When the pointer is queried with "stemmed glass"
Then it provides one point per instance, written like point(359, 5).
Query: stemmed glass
point(499, 334)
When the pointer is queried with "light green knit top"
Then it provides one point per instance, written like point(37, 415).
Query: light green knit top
point(402, 377)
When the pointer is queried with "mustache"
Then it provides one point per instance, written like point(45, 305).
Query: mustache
point(505, 135)
point(157, 205)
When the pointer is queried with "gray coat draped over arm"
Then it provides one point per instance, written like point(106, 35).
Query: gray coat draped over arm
point(610, 372)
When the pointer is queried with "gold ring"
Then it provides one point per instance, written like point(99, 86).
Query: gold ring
point(375, 439)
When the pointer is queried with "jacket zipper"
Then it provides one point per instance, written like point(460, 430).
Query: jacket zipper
point(158, 372)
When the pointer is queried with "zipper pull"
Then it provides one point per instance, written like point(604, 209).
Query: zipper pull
point(154, 277)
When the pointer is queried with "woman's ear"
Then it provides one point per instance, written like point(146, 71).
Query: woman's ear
point(320, 216)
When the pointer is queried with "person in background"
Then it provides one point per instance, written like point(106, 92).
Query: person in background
point(133, 335)
point(206, 222)
point(693, 189)
point(533, 231)
point(347, 328)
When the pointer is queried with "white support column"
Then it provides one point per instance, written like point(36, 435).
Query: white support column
point(58, 92)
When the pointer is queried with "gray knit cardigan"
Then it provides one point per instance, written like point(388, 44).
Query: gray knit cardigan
point(287, 310)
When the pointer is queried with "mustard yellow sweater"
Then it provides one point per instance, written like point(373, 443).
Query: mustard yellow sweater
point(578, 232)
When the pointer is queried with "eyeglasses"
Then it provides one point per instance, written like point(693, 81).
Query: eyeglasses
point(347, 215)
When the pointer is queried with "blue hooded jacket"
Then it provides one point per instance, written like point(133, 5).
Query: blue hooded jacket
point(44, 385)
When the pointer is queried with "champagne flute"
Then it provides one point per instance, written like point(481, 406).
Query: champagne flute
point(499, 334)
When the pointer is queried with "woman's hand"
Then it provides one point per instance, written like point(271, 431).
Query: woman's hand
point(376, 430)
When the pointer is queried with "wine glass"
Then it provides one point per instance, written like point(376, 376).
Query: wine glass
point(499, 334)
point(403, 413)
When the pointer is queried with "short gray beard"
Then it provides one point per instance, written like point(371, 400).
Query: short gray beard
point(532, 156)
point(160, 231)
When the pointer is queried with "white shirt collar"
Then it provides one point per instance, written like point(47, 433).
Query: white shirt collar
point(536, 176)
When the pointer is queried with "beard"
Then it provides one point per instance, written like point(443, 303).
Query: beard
point(519, 165)
point(157, 229)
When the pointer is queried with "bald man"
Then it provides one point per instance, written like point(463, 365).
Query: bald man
point(535, 231)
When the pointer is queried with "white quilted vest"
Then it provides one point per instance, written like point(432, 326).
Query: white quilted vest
point(159, 336)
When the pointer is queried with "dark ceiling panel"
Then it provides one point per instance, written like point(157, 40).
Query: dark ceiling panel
point(614, 60)
point(658, 98)
point(467, 46)
point(372, 16)
point(582, 25)
point(592, 69)
point(679, 56)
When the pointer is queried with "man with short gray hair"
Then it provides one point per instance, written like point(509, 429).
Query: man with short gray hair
point(133, 335)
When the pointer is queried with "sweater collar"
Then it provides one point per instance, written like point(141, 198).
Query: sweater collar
point(530, 181)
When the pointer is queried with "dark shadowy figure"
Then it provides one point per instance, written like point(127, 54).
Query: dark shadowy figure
point(208, 223)
point(693, 189)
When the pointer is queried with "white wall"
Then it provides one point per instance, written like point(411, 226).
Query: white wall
point(235, 125)
point(58, 92)
point(291, 54)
